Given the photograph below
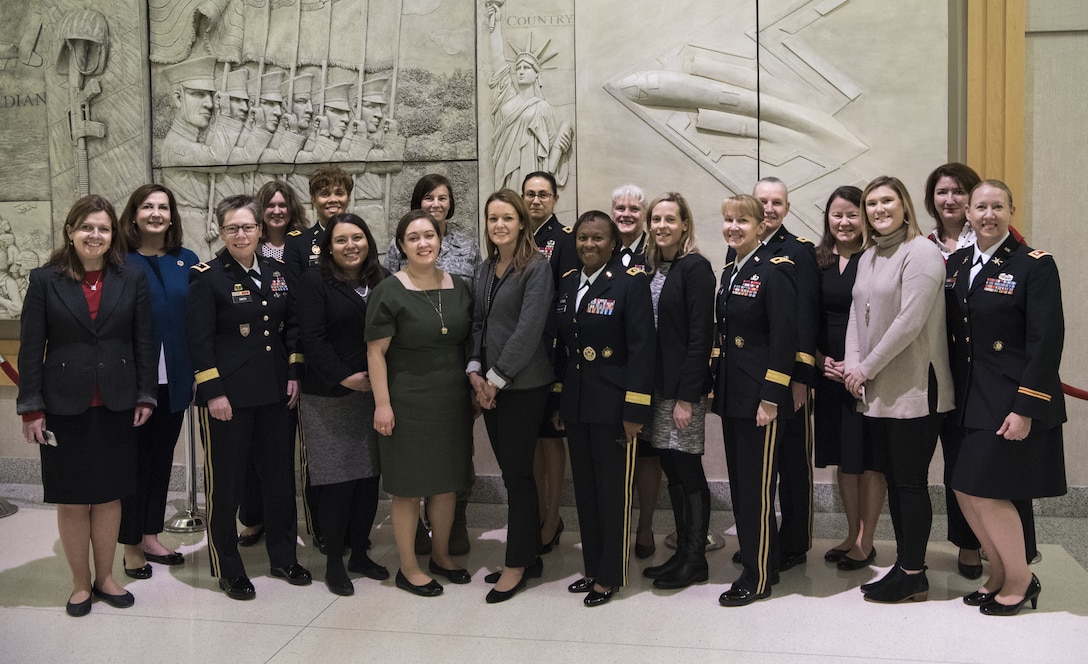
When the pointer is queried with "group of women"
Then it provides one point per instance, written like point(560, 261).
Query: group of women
point(388, 366)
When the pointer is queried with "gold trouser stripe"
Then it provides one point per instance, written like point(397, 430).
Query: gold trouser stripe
point(806, 358)
point(209, 485)
point(1034, 393)
point(777, 377)
point(766, 508)
point(630, 454)
point(206, 375)
point(304, 463)
point(809, 434)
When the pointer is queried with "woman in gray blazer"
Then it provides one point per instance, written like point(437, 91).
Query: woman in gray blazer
point(511, 374)
point(88, 359)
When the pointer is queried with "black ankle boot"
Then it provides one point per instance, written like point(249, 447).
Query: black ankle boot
point(898, 586)
point(692, 567)
point(679, 508)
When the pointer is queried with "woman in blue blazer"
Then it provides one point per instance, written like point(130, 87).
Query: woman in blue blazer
point(87, 359)
point(154, 242)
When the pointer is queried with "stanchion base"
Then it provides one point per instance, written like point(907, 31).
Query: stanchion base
point(186, 522)
point(7, 509)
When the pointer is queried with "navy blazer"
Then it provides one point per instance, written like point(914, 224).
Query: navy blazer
point(685, 330)
point(332, 319)
point(1006, 334)
point(63, 354)
point(604, 356)
point(757, 331)
point(169, 288)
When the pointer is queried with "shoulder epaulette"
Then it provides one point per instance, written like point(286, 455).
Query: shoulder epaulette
point(201, 267)
point(777, 260)
point(569, 272)
point(566, 228)
point(728, 265)
point(804, 240)
point(1039, 253)
point(635, 271)
point(294, 233)
point(277, 260)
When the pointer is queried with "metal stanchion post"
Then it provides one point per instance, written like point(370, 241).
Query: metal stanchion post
point(7, 509)
point(191, 520)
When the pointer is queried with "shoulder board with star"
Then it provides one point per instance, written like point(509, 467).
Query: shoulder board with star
point(804, 240)
point(569, 272)
point(201, 267)
point(294, 233)
point(635, 271)
point(1038, 253)
point(777, 260)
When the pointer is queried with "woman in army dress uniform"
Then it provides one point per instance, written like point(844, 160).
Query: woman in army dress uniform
point(604, 360)
point(757, 326)
point(1006, 327)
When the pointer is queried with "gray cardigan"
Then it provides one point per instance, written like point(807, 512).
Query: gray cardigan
point(508, 328)
point(897, 329)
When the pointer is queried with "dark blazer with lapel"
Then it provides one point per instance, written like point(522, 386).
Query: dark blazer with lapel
point(757, 331)
point(242, 339)
point(298, 251)
point(508, 325)
point(63, 354)
point(555, 241)
point(605, 350)
point(1006, 334)
point(685, 330)
point(332, 319)
point(807, 279)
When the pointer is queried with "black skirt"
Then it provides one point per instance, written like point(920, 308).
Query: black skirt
point(989, 466)
point(95, 458)
point(841, 433)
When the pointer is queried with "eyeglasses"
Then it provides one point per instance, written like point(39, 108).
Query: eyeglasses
point(234, 230)
point(530, 195)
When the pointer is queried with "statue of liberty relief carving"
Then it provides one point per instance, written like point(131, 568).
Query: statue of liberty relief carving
point(528, 135)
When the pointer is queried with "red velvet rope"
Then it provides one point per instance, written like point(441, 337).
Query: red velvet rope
point(9, 370)
point(1075, 392)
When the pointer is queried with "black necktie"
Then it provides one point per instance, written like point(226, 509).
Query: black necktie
point(976, 267)
point(255, 276)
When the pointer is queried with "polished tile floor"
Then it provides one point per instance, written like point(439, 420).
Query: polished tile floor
point(815, 615)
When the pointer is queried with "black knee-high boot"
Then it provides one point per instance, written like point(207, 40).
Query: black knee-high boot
point(679, 515)
point(692, 567)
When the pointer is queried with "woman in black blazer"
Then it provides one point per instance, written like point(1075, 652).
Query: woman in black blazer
point(337, 410)
point(511, 374)
point(604, 360)
point(682, 289)
point(88, 359)
point(757, 323)
point(1006, 326)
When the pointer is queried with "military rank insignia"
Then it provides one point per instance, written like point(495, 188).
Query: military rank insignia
point(600, 305)
point(748, 287)
point(1002, 283)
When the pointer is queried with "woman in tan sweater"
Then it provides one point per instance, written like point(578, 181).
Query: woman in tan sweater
point(897, 366)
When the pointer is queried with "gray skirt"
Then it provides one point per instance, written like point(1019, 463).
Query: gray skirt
point(338, 438)
point(663, 432)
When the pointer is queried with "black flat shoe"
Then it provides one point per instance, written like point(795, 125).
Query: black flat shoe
point(848, 564)
point(432, 589)
point(239, 587)
point(122, 601)
point(137, 572)
point(172, 558)
point(597, 598)
point(969, 571)
point(996, 608)
point(78, 610)
point(554, 542)
point(459, 576)
point(533, 571)
point(643, 551)
point(582, 585)
point(741, 596)
point(367, 567)
point(835, 555)
point(791, 560)
point(900, 587)
point(295, 574)
point(340, 587)
point(250, 540)
point(978, 598)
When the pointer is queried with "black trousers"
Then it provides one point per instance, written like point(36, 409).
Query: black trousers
point(903, 450)
point(602, 464)
point(251, 509)
point(959, 532)
point(751, 457)
point(142, 513)
point(266, 434)
point(512, 426)
point(795, 480)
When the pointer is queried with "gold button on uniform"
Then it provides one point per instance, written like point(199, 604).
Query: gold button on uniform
point(999, 346)
point(266, 333)
point(606, 352)
point(268, 348)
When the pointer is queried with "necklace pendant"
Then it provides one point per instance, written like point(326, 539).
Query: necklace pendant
point(445, 330)
point(94, 287)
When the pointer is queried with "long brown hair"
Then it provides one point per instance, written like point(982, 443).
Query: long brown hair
point(66, 260)
point(687, 237)
point(525, 248)
point(172, 240)
point(825, 251)
point(296, 212)
point(371, 271)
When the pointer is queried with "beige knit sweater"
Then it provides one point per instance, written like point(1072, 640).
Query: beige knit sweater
point(897, 328)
